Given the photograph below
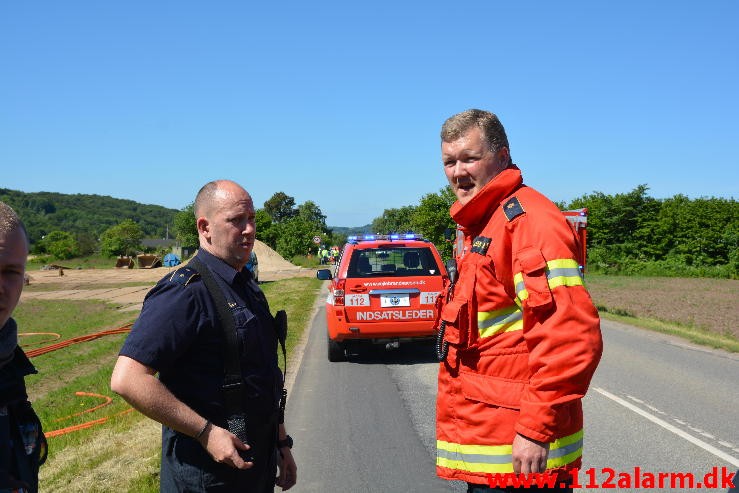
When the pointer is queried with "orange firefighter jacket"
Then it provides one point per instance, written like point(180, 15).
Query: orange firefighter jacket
point(522, 333)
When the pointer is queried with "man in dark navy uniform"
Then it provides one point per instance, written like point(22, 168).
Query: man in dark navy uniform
point(179, 337)
point(22, 443)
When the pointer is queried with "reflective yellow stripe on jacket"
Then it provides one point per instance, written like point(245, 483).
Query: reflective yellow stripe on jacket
point(506, 319)
point(498, 458)
point(560, 272)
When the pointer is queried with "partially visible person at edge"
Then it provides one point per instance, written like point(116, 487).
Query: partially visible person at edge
point(22, 442)
point(521, 336)
point(177, 335)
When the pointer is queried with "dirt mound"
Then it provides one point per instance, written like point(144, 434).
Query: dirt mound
point(269, 260)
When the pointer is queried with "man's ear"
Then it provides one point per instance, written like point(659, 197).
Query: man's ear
point(203, 227)
point(503, 155)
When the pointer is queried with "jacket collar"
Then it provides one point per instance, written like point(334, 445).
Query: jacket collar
point(218, 266)
point(475, 214)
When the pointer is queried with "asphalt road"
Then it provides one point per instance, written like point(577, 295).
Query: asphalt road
point(656, 403)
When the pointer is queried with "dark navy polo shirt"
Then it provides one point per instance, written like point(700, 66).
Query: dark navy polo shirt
point(177, 334)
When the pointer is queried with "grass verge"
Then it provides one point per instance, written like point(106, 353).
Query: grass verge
point(692, 334)
point(122, 453)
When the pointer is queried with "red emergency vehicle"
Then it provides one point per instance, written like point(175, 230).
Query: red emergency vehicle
point(383, 290)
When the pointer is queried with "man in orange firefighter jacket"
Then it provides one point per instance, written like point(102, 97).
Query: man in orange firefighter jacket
point(519, 336)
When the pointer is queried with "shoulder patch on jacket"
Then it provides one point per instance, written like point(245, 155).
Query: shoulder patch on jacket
point(512, 209)
point(184, 276)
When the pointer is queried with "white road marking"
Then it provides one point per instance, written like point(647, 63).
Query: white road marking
point(664, 424)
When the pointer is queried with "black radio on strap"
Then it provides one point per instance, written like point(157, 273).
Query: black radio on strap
point(281, 329)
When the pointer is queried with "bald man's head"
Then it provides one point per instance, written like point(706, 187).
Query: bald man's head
point(225, 217)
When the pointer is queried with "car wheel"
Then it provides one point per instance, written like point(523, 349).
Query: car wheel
point(336, 351)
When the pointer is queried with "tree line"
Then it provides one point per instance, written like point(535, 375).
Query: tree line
point(628, 233)
point(71, 225)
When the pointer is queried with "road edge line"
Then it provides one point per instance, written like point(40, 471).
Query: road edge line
point(664, 424)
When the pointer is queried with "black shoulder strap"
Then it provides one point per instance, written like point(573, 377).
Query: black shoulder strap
point(233, 380)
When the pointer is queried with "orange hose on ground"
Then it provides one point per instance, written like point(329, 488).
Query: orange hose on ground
point(107, 400)
point(82, 426)
point(75, 340)
point(54, 337)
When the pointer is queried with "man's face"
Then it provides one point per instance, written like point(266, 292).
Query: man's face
point(229, 229)
point(13, 254)
point(469, 164)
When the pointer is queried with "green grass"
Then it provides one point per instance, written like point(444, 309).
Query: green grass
point(89, 262)
point(296, 296)
point(695, 335)
point(121, 454)
point(310, 262)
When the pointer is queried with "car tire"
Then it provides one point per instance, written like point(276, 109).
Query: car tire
point(336, 351)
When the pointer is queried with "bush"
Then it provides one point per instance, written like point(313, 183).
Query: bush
point(60, 245)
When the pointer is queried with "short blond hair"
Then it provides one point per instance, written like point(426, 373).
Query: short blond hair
point(457, 125)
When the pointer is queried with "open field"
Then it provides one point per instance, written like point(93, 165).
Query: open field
point(690, 306)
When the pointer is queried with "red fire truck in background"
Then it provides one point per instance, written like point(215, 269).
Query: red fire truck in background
point(578, 219)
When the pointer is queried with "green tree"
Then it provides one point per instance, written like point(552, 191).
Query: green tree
point(432, 219)
point(185, 227)
point(266, 232)
point(294, 237)
point(61, 245)
point(280, 207)
point(309, 212)
point(335, 238)
point(395, 220)
point(87, 243)
point(121, 239)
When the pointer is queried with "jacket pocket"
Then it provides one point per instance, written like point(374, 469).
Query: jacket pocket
point(492, 390)
point(455, 314)
point(534, 273)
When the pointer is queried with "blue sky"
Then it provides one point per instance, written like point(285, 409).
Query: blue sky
point(341, 103)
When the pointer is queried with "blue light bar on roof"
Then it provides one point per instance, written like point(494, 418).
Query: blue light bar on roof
point(392, 237)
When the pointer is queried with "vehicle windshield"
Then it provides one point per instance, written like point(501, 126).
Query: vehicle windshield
point(393, 262)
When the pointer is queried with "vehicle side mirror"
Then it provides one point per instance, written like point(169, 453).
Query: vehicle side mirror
point(324, 274)
point(448, 234)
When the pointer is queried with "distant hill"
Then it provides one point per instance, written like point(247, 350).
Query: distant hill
point(84, 215)
point(351, 231)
